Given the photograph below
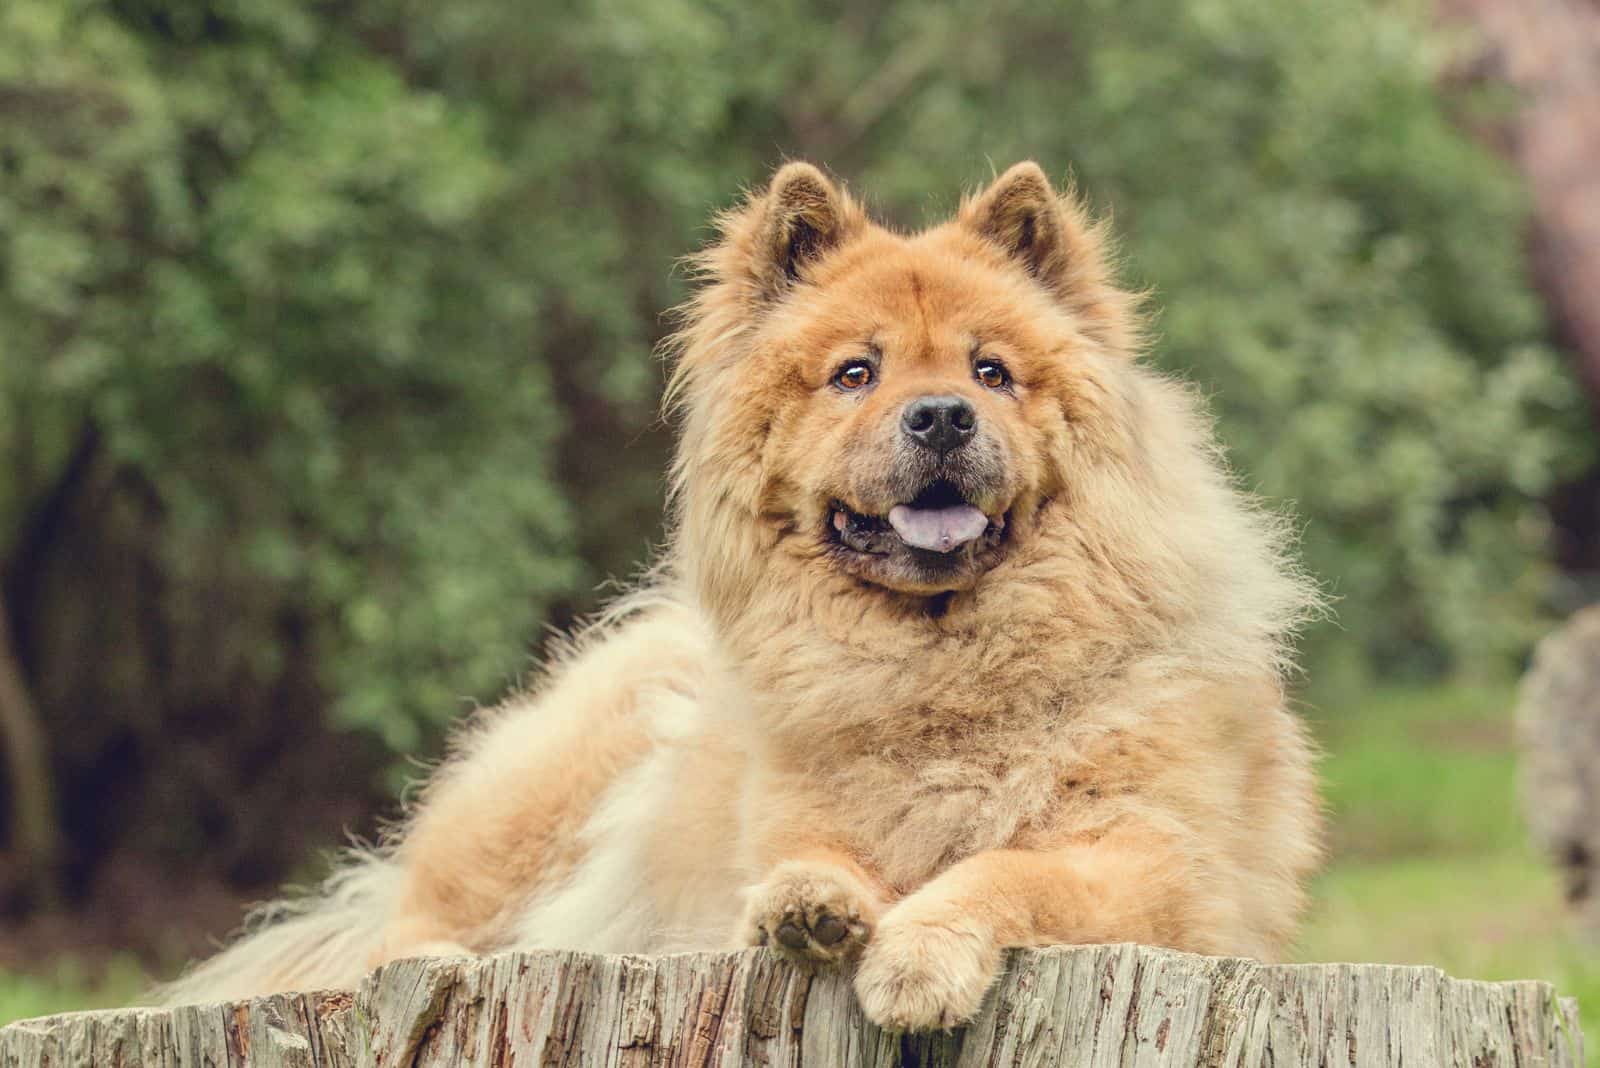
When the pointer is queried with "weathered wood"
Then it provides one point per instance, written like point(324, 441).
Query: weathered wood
point(1094, 1005)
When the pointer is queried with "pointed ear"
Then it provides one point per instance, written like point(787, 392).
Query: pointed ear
point(1021, 214)
point(802, 218)
point(1053, 239)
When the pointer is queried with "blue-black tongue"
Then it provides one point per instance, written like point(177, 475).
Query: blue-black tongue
point(939, 530)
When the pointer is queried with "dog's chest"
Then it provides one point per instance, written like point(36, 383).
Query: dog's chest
point(916, 809)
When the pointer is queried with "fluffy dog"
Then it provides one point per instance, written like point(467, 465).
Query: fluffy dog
point(964, 640)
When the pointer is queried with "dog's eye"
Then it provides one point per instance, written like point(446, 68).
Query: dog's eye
point(853, 375)
point(992, 373)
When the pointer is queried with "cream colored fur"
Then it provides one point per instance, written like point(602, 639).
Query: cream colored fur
point(1082, 739)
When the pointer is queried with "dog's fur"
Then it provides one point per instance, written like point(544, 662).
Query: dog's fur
point(1070, 730)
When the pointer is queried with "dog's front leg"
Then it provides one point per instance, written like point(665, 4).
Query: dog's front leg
point(817, 906)
point(936, 953)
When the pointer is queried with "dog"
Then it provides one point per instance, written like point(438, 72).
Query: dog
point(964, 639)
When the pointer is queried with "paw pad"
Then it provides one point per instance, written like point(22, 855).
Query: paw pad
point(804, 937)
point(810, 914)
point(830, 930)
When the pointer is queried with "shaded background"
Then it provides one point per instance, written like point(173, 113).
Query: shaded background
point(326, 384)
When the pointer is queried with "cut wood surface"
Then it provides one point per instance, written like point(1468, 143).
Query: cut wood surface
point(1094, 1005)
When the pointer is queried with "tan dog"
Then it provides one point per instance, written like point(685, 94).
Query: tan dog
point(965, 640)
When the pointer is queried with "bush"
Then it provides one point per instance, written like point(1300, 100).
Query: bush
point(360, 299)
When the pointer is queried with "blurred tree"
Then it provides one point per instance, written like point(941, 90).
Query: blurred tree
point(1336, 264)
point(278, 429)
point(327, 326)
point(1541, 55)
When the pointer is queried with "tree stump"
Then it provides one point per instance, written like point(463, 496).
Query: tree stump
point(1089, 1005)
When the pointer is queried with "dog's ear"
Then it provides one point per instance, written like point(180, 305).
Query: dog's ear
point(782, 232)
point(805, 218)
point(1022, 215)
point(1052, 238)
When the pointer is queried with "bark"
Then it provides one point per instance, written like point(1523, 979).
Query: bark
point(1100, 1005)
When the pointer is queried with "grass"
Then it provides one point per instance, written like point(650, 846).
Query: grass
point(1430, 861)
point(67, 985)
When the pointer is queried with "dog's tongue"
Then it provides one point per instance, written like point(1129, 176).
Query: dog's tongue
point(939, 530)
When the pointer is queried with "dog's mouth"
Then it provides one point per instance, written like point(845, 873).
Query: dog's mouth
point(938, 523)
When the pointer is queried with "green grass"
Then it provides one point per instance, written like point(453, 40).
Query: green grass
point(1431, 862)
point(66, 985)
point(1430, 866)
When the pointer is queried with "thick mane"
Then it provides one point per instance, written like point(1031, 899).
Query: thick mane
point(1208, 573)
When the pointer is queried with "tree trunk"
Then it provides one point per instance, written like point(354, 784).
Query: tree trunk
point(1548, 51)
point(1100, 1005)
point(34, 833)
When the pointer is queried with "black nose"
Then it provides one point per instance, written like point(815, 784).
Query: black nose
point(942, 424)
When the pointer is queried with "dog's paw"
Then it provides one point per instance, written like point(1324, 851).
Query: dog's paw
point(810, 912)
point(919, 975)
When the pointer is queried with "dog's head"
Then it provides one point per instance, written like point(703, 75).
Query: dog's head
point(894, 408)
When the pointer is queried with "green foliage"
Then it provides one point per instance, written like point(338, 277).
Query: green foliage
point(365, 293)
point(262, 266)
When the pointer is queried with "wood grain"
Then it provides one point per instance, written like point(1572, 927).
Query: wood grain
point(1119, 1005)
